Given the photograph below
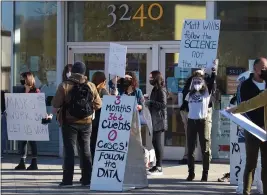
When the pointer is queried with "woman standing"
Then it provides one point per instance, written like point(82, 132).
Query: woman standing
point(129, 86)
point(198, 100)
point(66, 72)
point(29, 87)
point(157, 105)
point(99, 79)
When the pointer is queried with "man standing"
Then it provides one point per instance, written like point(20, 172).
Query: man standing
point(77, 100)
point(248, 89)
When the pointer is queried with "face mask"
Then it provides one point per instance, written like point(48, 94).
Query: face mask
point(197, 87)
point(22, 82)
point(127, 83)
point(152, 82)
point(263, 75)
point(68, 74)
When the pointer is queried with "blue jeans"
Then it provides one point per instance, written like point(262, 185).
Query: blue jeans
point(3, 132)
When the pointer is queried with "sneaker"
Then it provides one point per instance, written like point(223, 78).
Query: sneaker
point(225, 178)
point(155, 171)
point(65, 185)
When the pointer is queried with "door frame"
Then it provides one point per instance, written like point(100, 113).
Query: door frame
point(155, 50)
point(170, 152)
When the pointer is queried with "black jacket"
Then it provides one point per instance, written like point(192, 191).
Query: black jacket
point(247, 90)
point(210, 84)
point(158, 109)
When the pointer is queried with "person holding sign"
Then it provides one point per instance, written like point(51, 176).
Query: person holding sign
point(247, 106)
point(248, 89)
point(99, 79)
point(28, 82)
point(198, 100)
point(157, 105)
point(78, 99)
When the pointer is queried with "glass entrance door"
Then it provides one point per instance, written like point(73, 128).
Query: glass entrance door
point(174, 139)
point(96, 59)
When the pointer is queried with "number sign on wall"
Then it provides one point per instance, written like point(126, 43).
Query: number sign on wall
point(139, 14)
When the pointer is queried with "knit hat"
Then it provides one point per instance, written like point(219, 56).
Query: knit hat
point(78, 67)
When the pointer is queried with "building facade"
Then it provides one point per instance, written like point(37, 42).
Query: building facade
point(45, 36)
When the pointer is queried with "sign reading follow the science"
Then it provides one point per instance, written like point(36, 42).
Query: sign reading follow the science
point(117, 59)
point(24, 116)
point(199, 43)
point(112, 143)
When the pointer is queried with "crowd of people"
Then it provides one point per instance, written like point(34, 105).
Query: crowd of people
point(77, 104)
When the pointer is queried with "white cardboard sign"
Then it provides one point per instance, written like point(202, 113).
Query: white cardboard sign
point(199, 43)
point(117, 60)
point(112, 143)
point(24, 116)
point(247, 125)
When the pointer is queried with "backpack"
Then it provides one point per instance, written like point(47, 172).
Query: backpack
point(81, 103)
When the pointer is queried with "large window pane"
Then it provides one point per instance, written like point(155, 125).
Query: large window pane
point(243, 35)
point(6, 43)
point(35, 50)
point(96, 21)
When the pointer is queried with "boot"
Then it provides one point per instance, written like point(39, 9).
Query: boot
point(33, 165)
point(204, 176)
point(21, 165)
point(191, 176)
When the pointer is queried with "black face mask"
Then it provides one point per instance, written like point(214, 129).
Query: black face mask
point(22, 82)
point(152, 82)
point(123, 84)
point(263, 75)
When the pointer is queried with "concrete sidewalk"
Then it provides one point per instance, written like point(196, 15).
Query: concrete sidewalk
point(49, 175)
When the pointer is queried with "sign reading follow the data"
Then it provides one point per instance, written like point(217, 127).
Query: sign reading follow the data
point(117, 59)
point(24, 116)
point(246, 124)
point(199, 43)
point(112, 143)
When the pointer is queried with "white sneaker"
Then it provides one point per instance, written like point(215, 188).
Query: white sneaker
point(155, 171)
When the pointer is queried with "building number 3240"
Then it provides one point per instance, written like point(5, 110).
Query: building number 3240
point(139, 14)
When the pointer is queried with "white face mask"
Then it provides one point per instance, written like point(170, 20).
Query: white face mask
point(68, 74)
point(198, 87)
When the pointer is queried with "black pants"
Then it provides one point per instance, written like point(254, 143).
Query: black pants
point(199, 127)
point(253, 145)
point(24, 148)
point(95, 125)
point(71, 134)
point(156, 141)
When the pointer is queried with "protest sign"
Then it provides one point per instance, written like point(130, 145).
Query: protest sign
point(117, 60)
point(24, 116)
point(246, 124)
point(115, 136)
point(199, 43)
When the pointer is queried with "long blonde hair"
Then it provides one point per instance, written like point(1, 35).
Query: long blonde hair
point(29, 79)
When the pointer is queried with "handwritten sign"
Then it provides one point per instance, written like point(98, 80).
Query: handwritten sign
point(117, 60)
point(199, 43)
point(112, 143)
point(247, 125)
point(24, 116)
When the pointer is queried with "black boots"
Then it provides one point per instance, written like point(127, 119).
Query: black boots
point(191, 176)
point(22, 166)
point(204, 177)
point(33, 165)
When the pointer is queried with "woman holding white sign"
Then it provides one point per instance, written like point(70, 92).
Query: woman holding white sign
point(198, 100)
point(29, 87)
